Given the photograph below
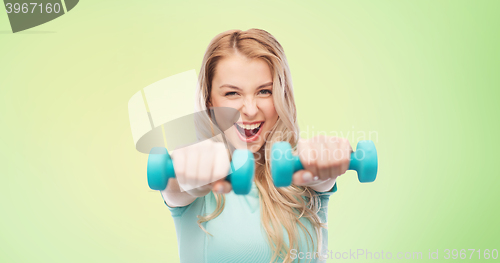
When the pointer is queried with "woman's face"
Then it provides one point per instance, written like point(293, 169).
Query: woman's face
point(246, 85)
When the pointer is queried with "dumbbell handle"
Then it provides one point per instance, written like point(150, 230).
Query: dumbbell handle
point(160, 163)
point(297, 164)
point(365, 156)
point(161, 169)
point(284, 163)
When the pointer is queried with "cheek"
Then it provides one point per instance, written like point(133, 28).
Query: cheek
point(269, 111)
point(215, 101)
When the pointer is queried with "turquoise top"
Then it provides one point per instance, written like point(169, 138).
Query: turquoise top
point(237, 234)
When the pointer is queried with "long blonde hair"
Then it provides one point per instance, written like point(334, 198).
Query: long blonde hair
point(280, 207)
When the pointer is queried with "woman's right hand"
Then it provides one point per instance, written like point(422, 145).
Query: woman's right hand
point(202, 167)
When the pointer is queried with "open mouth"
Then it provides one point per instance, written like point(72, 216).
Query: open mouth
point(249, 132)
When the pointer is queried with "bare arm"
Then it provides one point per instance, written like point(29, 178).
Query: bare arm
point(174, 197)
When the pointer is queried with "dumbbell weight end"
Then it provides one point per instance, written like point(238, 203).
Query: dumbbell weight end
point(243, 170)
point(160, 168)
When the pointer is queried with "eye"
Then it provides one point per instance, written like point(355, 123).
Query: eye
point(232, 93)
point(265, 92)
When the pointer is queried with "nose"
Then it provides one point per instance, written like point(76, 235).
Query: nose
point(249, 109)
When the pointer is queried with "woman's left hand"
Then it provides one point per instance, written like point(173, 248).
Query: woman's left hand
point(324, 159)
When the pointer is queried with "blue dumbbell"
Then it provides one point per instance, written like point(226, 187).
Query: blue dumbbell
point(284, 164)
point(161, 168)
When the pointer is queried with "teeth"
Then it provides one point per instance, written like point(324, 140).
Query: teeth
point(249, 126)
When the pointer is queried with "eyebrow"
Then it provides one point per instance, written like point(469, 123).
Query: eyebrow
point(234, 87)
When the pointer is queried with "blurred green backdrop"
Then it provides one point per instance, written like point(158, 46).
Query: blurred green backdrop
point(422, 75)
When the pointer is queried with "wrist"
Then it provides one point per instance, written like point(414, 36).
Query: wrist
point(324, 186)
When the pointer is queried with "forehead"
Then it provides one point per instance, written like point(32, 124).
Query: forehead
point(242, 72)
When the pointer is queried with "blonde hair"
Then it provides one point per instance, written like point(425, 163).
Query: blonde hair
point(280, 207)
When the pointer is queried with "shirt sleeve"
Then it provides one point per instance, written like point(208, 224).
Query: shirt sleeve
point(328, 193)
point(323, 211)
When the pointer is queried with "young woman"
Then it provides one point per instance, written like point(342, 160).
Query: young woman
point(248, 71)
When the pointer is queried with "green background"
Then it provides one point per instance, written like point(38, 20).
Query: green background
point(422, 75)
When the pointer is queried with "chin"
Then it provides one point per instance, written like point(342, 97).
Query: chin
point(255, 147)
